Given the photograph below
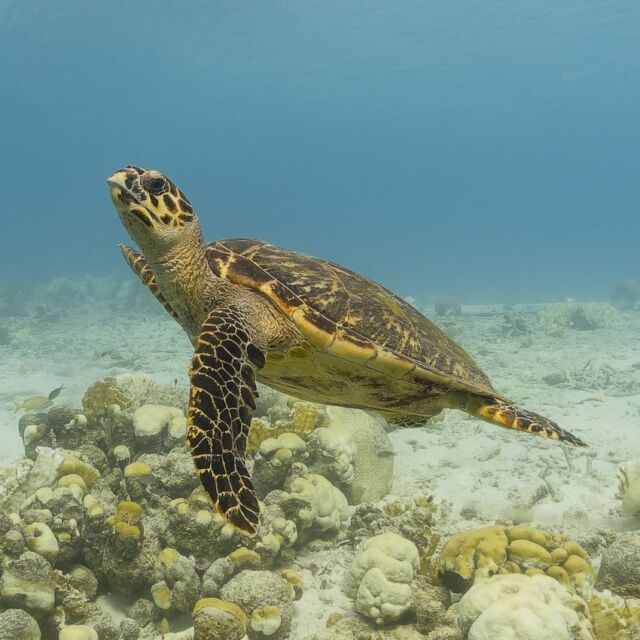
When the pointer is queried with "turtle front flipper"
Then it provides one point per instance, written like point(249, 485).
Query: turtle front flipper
point(221, 401)
point(139, 266)
point(508, 415)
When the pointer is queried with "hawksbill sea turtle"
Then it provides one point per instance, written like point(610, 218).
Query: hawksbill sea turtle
point(304, 326)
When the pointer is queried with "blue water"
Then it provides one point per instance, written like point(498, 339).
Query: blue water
point(487, 150)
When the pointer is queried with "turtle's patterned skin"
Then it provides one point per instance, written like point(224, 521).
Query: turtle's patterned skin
point(305, 326)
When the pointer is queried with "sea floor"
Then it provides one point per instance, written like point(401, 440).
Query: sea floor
point(586, 380)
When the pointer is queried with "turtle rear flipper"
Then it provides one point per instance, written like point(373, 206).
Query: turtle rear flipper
point(221, 401)
point(508, 415)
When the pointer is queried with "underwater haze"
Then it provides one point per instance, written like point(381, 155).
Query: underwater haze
point(486, 150)
point(282, 449)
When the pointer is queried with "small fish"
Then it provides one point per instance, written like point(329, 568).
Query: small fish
point(386, 453)
point(56, 392)
point(32, 404)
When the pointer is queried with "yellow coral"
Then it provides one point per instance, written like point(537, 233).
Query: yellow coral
point(528, 554)
point(72, 465)
point(126, 519)
point(100, 396)
point(138, 470)
point(72, 479)
point(613, 617)
point(305, 418)
point(168, 556)
point(161, 595)
point(228, 607)
point(480, 552)
point(521, 549)
point(242, 557)
point(294, 579)
point(266, 619)
point(126, 531)
point(93, 506)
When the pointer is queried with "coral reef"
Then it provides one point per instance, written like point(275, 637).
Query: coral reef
point(107, 501)
point(557, 319)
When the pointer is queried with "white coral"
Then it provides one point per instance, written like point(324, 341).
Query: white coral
point(521, 607)
point(379, 579)
point(335, 451)
point(325, 507)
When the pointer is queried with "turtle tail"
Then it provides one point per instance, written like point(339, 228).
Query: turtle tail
point(508, 415)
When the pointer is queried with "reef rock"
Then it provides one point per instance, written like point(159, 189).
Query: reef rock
point(266, 599)
point(620, 566)
point(16, 624)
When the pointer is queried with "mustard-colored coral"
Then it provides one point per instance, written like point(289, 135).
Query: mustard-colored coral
point(127, 531)
point(475, 553)
point(484, 552)
point(72, 479)
point(73, 465)
point(100, 396)
point(294, 579)
point(266, 619)
point(138, 470)
point(613, 617)
point(243, 557)
point(228, 607)
point(126, 520)
point(304, 418)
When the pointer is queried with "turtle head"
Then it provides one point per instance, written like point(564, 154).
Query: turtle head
point(152, 209)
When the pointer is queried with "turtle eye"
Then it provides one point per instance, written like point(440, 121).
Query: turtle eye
point(154, 183)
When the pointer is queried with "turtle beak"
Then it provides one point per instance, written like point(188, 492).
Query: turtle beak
point(118, 179)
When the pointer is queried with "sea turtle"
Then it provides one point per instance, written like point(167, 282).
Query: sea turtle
point(305, 326)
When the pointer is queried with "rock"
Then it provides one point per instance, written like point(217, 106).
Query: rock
point(41, 540)
point(82, 578)
point(129, 630)
point(620, 566)
point(28, 583)
point(263, 591)
point(16, 624)
point(429, 604)
point(218, 620)
point(177, 585)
